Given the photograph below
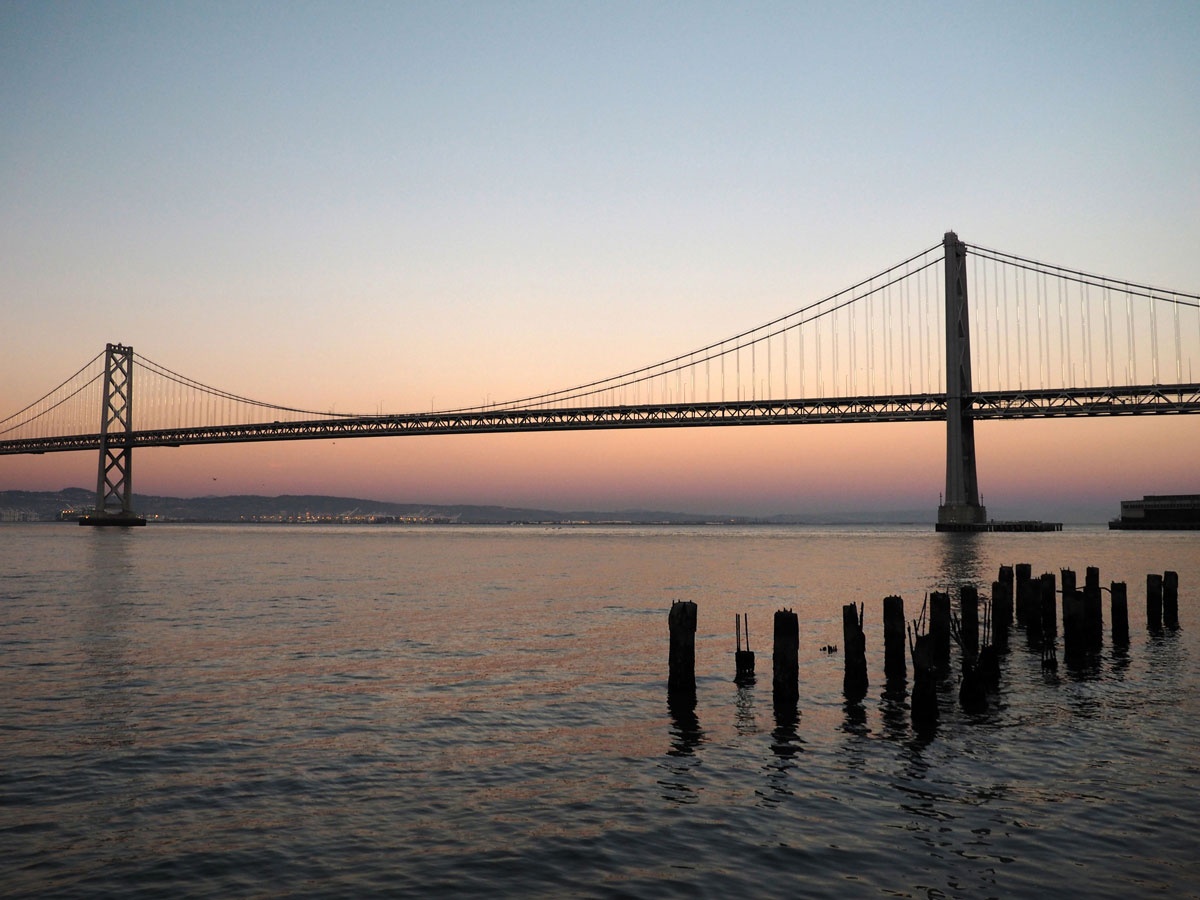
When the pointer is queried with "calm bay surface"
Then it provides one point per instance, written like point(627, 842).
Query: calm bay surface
point(258, 711)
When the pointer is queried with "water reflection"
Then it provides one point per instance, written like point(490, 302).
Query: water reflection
point(107, 671)
point(686, 735)
point(743, 717)
point(855, 718)
point(960, 559)
point(786, 745)
point(893, 707)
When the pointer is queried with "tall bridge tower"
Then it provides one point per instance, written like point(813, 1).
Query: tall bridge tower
point(960, 510)
point(114, 481)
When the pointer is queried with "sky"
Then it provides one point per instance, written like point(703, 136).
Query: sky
point(405, 206)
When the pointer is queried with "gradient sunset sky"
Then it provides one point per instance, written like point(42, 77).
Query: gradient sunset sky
point(399, 206)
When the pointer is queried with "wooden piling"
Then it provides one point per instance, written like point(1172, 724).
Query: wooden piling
point(1074, 623)
point(1024, 592)
point(1170, 599)
point(854, 683)
point(1068, 585)
point(939, 629)
point(743, 660)
point(1005, 578)
point(1120, 614)
point(968, 604)
point(924, 693)
point(1093, 609)
point(1092, 578)
point(682, 658)
point(1154, 595)
point(1001, 612)
point(1048, 607)
point(785, 655)
point(895, 667)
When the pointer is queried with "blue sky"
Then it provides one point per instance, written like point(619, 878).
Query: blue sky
point(442, 202)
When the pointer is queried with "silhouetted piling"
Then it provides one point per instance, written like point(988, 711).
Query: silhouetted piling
point(1024, 592)
point(854, 683)
point(1005, 579)
point(1001, 612)
point(1067, 579)
point(968, 603)
point(1091, 578)
point(1093, 610)
point(1075, 625)
point(1120, 614)
point(682, 658)
point(743, 660)
point(1048, 607)
point(1170, 599)
point(939, 629)
point(989, 667)
point(1154, 595)
point(924, 692)
point(784, 657)
point(894, 666)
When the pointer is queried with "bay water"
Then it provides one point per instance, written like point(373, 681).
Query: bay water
point(389, 711)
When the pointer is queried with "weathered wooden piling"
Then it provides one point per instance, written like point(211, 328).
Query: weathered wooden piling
point(1048, 607)
point(1001, 612)
point(1120, 614)
point(785, 666)
point(681, 661)
point(924, 693)
point(1067, 580)
point(968, 604)
point(895, 668)
point(1091, 577)
point(1006, 579)
point(1093, 610)
point(1170, 599)
point(1075, 626)
point(743, 660)
point(1030, 600)
point(1154, 595)
point(854, 683)
point(988, 667)
point(939, 629)
point(1024, 592)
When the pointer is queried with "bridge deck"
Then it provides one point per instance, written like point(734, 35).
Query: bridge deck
point(1030, 404)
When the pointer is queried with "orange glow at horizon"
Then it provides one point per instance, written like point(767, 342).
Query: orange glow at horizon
point(735, 470)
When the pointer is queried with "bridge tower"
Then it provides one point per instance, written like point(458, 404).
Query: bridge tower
point(114, 482)
point(960, 510)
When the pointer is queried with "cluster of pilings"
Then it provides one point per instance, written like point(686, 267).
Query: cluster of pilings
point(981, 627)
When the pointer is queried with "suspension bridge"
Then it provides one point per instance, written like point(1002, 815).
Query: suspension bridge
point(1048, 341)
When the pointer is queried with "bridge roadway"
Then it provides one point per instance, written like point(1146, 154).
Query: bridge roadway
point(1019, 404)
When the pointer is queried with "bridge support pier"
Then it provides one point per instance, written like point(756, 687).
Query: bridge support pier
point(960, 510)
point(114, 482)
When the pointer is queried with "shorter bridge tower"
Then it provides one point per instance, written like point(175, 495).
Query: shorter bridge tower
point(961, 510)
point(114, 482)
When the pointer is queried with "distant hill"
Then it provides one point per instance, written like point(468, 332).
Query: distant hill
point(48, 506)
